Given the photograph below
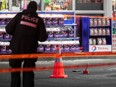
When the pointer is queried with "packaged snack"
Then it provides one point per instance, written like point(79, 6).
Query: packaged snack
point(100, 31)
point(104, 41)
point(103, 31)
point(108, 31)
point(57, 34)
point(99, 22)
point(61, 21)
point(108, 22)
point(99, 41)
point(91, 22)
point(94, 41)
point(8, 51)
point(65, 34)
point(53, 48)
point(3, 50)
point(66, 48)
point(71, 34)
point(91, 41)
point(50, 34)
point(77, 49)
point(7, 36)
point(49, 22)
point(91, 31)
point(61, 34)
point(2, 21)
point(95, 31)
point(72, 48)
point(40, 48)
point(1, 36)
point(95, 22)
point(55, 21)
point(47, 48)
point(103, 22)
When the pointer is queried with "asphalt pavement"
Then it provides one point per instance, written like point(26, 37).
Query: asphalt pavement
point(100, 76)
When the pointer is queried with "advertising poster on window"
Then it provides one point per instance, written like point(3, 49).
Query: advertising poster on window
point(52, 5)
point(114, 35)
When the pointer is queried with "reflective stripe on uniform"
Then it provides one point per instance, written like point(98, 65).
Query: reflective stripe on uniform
point(28, 24)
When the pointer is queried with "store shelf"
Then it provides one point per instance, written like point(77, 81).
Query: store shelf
point(58, 42)
point(2, 30)
point(4, 43)
point(60, 39)
point(70, 24)
point(95, 36)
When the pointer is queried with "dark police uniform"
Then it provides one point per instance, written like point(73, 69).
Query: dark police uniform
point(26, 29)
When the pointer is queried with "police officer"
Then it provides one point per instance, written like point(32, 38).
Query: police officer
point(26, 29)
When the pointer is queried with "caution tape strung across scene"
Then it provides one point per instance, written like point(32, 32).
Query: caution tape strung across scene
point(53, 55)
point(62, 55)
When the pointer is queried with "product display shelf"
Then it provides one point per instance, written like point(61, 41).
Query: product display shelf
point(96, 34)
point(61, 31)
point(62, 27)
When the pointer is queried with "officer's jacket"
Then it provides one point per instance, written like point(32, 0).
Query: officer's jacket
point(26, 29)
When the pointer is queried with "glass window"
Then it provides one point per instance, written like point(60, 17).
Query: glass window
point(18, 5)
point(114, 7)
point(57, 5)
point(4, 5)
point(89, 4)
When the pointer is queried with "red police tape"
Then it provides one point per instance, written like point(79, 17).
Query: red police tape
point(7, 70)
point(54, 55)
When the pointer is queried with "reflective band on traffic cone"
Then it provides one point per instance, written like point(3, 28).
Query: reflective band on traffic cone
point(58, 71)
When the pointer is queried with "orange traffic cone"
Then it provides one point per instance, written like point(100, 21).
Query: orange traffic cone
point(58, 71)
point(86, 70)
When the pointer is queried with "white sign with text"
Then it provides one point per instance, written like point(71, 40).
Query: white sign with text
point(100, 48)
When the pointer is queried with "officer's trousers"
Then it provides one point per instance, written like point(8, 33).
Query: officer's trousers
point(27, 79)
